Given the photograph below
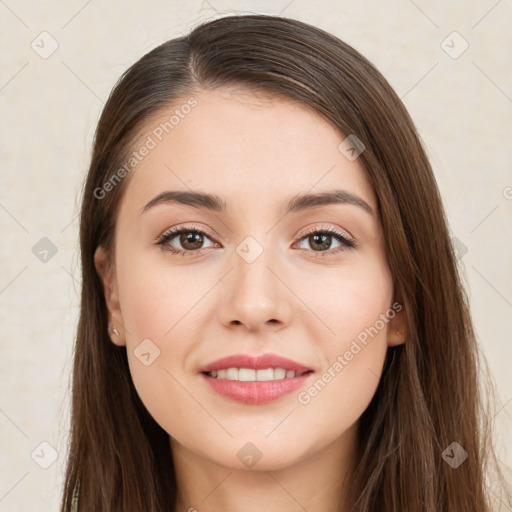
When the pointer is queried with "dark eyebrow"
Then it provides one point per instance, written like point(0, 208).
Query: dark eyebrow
point(304, 201)
point(296, 204)
point(195, 199)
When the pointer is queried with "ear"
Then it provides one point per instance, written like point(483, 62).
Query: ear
point(106, 271)
point(398, 326)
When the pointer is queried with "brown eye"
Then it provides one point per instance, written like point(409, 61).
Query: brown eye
point(321, 241)
point(184, 241)
point(191, 240)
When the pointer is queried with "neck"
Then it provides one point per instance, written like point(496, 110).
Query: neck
point(314, 482)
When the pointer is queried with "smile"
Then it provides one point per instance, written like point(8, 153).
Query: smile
point(255, 379)
point(252, 375)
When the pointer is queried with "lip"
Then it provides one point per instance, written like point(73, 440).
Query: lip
point(255, 362)
point(256, 392)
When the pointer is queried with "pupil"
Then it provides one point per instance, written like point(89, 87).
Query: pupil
point(195, 239)
point(323, 242)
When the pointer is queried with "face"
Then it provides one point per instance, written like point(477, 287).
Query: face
point(258, 276)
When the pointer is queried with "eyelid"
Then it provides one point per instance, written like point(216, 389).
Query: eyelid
point(180, 227)
point(163, 239)
point(347, 241)
point(329, 229)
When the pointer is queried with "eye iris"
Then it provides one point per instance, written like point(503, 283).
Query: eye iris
point(323, 244)
point(191, 237)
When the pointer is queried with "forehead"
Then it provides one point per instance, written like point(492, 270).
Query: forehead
point(254, 150)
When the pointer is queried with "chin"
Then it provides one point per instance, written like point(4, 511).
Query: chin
point(257, 455)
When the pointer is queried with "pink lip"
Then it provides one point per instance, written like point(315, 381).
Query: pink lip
point(257, 392)
point(257, 363)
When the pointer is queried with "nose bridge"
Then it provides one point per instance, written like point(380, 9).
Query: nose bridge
point(254, 282)
point(252, 294)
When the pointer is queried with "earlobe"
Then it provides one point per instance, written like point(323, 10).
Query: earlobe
point(106, 272)
point(398, 328)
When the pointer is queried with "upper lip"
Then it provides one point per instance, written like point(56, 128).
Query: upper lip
point(256, 362)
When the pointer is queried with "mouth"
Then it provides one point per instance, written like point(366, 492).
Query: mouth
point(253, 375)
point(255, 380)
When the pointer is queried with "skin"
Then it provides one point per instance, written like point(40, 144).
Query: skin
point(255, 152)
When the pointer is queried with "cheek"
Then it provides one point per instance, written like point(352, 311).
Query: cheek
point(156, 299)
point(160, 307)
point(349, 301)
point(355, 305)
point(339, 395)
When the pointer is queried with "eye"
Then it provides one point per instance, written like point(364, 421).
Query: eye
point(190, 239)
point(320, 241)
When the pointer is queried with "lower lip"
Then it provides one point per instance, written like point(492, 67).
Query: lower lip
point(256, 392)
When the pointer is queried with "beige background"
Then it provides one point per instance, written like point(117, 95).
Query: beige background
point(462, 105)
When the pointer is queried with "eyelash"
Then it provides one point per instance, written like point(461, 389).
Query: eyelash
point(346, 243)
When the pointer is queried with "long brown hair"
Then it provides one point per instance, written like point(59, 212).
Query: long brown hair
point(429, 395)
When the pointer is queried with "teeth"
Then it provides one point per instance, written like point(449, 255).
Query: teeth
point(279, 373)
point(232, 374)
point(252, 375)
point(266, 374)
point(246, 374)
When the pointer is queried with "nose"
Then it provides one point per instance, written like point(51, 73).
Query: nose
point(252, 295)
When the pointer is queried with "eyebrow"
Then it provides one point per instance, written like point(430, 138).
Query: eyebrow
point(297, 203)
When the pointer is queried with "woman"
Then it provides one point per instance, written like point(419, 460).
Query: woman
point(271, 314)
